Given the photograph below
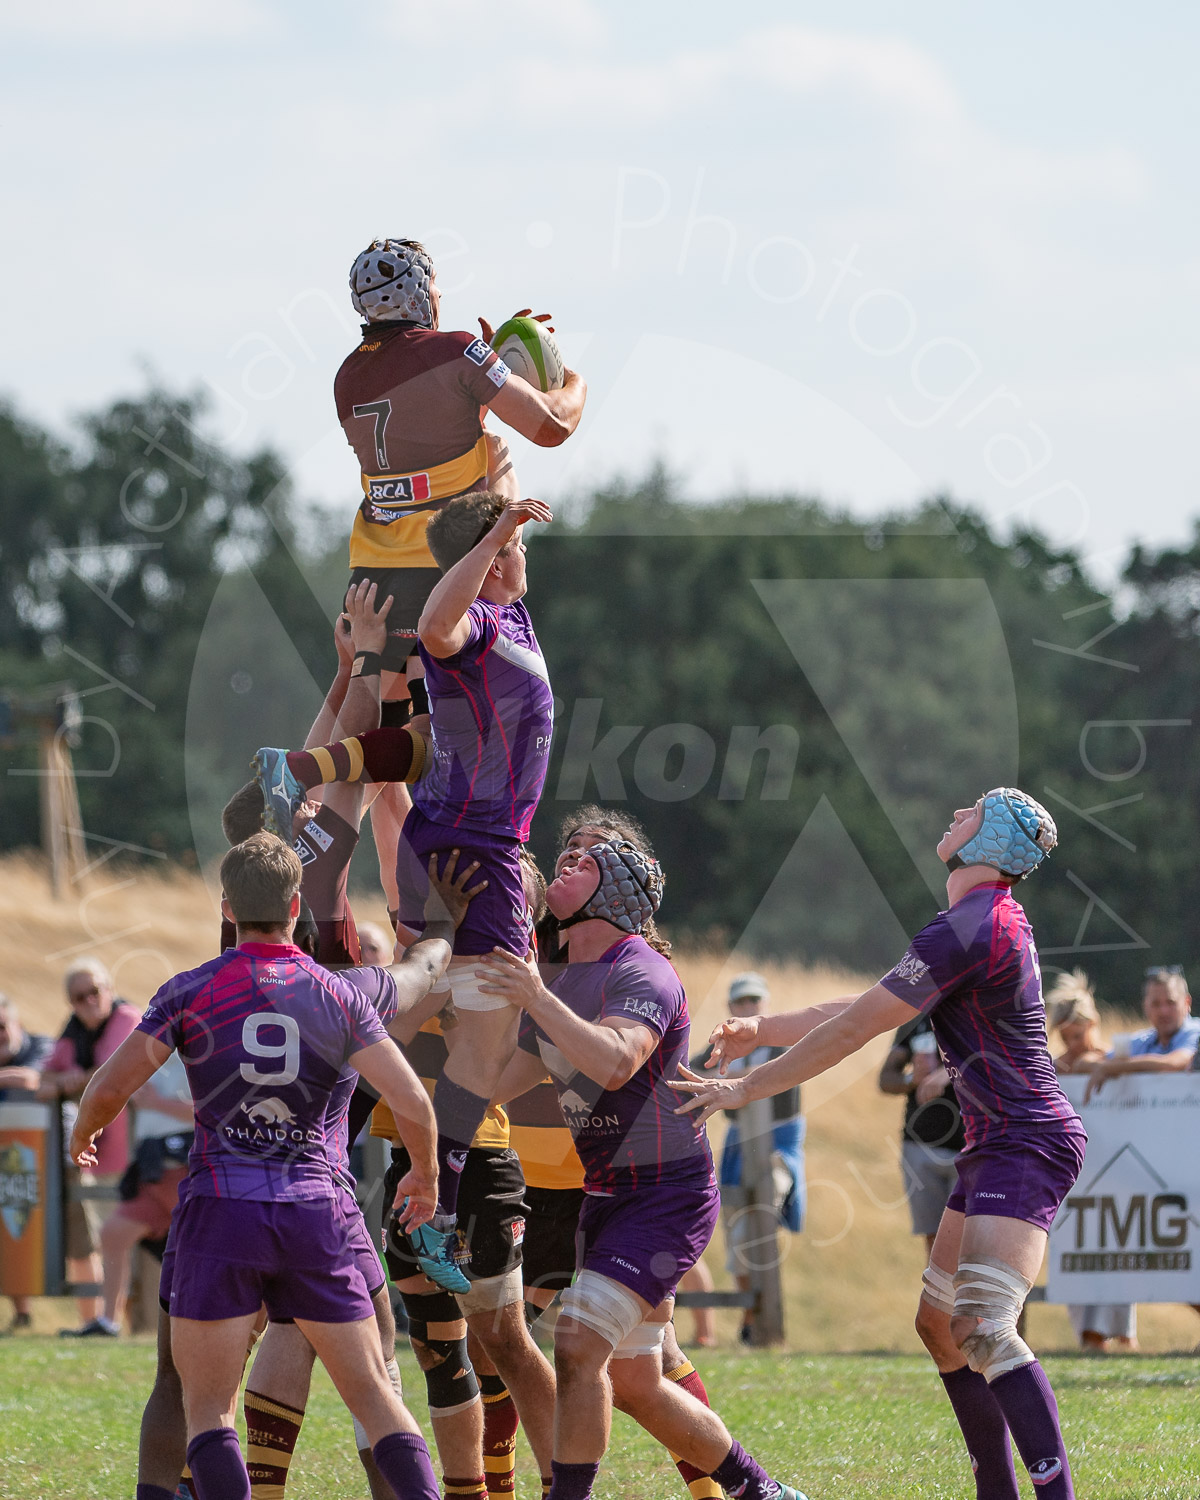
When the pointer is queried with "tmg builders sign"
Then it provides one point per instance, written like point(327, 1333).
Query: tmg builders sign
point(1129, 1230)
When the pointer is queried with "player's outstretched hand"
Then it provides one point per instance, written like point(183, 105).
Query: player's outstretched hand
point(82, 1149)
point(515, 979)
point(368, 624)
point(449, 895)
point(708, 1095)
point(515, 514)
point(489, 333)
point(416, 1198)
point(736, 1037)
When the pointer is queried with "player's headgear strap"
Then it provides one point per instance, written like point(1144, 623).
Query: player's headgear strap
point(630, 889)
point(1015, 834)
point(389, 283)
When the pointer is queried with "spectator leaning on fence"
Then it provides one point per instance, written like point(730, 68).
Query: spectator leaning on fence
point(747, 1232)
point(100, 1022)
point(1071, 1013)
point(22, 1057)
point(932, 1134)
point(1167, 1045)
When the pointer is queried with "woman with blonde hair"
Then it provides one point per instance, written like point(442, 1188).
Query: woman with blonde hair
point(1071, 1012)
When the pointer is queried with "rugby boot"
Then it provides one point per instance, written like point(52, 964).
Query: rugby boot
point(283, 795)
point(435, 1253)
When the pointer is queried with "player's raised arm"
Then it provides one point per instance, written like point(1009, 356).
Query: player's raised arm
point(738, 1036)
point(443, 627)
point(401, 1090)
point(609, 1052)
point(825, 1044)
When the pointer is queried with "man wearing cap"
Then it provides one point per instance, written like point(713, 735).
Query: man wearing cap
point(748, 1225)
point(974, 969)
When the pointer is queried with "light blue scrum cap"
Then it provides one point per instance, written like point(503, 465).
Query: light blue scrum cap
point(1015, 835)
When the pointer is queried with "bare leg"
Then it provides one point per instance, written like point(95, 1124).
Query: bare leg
point(351, 1354)
point(210, 1358)
point(458, 1433)
point(583, 1411)
point(704, 1323)
point(117, 1239)
point(162, 1446)
point(86, 1269)
point(525, 1371)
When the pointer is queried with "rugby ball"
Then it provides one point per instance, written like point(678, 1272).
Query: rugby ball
point(531, 351)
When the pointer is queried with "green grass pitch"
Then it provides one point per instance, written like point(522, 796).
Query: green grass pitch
point(849, 1427)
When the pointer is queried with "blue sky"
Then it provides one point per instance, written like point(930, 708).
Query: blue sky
point(871, 251)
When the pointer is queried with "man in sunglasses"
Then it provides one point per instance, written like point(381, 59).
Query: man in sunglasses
point(1168, 1044)
point(100, 1021)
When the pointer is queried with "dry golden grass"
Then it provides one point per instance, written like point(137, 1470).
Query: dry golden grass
point(851, 1280)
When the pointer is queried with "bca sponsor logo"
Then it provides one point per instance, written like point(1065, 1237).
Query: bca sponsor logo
point(1045, 1470)
point(403, 490)
point(305, 850)
point(910, 968)
point(518, 1231)
point(498, 374)
point(477, 352)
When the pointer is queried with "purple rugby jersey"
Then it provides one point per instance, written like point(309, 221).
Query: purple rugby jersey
point(492, 714)
point(627, 1138)
point(265, 1034)
point(974, 971)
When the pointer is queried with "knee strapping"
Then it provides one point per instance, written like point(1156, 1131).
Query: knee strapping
point(450, 1383)
point(603, 1305)
point(992, 1291)
point(937, 1287)
point(491, 1293)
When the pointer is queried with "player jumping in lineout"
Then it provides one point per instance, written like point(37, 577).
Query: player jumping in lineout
point(974, 970)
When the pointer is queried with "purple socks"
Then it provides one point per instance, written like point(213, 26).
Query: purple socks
point(986, 1433)
point(218, 1468)
point(740, 1475)
point(403, 1460)
point(153, 1492)
point(1029, 1407)
point(459, 1115)
point(572, 1481)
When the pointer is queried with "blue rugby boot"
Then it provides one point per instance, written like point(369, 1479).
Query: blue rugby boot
point(283, 795)
point(435, 1245)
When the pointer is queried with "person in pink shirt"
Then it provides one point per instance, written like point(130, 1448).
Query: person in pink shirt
point(100, 1021)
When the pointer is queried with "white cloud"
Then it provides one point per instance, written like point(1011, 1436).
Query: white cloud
point(571, 22)
point(124, 21)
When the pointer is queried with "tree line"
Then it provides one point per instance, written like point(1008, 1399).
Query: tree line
point(791, 699)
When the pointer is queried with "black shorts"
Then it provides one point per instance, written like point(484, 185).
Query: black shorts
point(409, 589)
point(491, 1215)
point(551, 1225)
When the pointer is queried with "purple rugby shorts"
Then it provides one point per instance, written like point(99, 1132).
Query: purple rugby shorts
point(647, 1239)
point(1025, 1178)
point(233, 1255)
point(497, 917)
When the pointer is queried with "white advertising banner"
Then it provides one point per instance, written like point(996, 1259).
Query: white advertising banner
point(1128, 1230)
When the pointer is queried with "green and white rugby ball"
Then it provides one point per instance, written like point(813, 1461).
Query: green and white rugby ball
point(531, 351)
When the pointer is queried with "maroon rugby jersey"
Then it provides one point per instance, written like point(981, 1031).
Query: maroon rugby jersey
point(409, 400)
